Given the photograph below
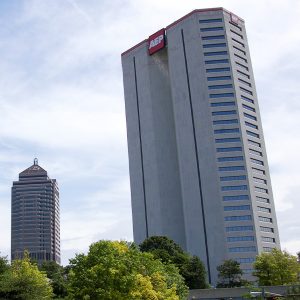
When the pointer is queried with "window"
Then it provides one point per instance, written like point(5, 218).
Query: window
point(238, 42)
point(223, 122)
point(233, 158)
point(237, 34)
point(231, 168)
point(216, 104)
point(243, 74)
point(210, 21)
point(217, 70)
point(229, 149)
point(247, 99)
point(215, 53)
point(246, 91)
point(242, 66)
point(250, 117)
point(260, 190)
point(233, 178)
point(221, 95)
point(254, 152)
point(251, 133)
point(267, 249)
point(216, 61)
point(240, 238)
point(236, 26)
point(217, 45)
point(242, 249)
point(255, 170)
point(251, 125)
point(262, 199)
point(240, 50)
point(220, 86)
point(268, 239)
point(244, 82)
point(223, 113)
point(256, 161)
point(266, 229)
point(235, 198)
point(264, 209)
point(259, 180)
point(227, 130)
point(239, 228)
point(211, 29)
point(245, 260)
point(256, 144)
point(218, 78)
point(228, 140)
point(213, 37)
point(248, 107)
point(265, 219)
point(234, 188)
point(238, 218)
point(237, 207)
point(241, 58)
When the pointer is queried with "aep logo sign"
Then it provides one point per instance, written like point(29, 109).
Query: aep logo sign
point(156, 41)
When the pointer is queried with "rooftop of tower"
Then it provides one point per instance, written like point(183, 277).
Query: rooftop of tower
point(35, 169)
point(181, 19)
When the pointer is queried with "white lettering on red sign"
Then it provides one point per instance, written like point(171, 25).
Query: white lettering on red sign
point(156, 41)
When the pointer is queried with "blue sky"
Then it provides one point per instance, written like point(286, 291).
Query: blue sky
point(61, 100)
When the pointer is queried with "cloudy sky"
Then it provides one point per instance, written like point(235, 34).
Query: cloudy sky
point(61, 100)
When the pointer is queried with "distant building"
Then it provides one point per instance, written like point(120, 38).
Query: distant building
point(198, 164)
point(35, 221)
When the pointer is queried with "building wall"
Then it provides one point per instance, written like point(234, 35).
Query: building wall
point(191, 110)
point(35, 217)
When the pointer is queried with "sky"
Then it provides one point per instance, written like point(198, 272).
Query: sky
point(61, 100)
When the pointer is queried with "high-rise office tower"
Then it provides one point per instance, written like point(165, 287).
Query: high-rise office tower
point(35, 216)
point(198, 165)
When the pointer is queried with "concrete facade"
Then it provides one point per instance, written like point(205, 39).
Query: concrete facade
point(198, 165)
point(35, 221)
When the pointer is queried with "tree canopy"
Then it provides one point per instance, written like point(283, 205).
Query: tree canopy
point(230, 274)
point(190, 267)
point(116, 270)
point(24, 281)
point(56, 275)
point(3, 264)
point(276, 268)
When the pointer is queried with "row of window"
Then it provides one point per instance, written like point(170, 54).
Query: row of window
point(240, 238)
point(238, 218)
point(248, 228)
point(242, 249)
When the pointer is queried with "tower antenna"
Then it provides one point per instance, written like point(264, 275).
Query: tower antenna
point(35, 162)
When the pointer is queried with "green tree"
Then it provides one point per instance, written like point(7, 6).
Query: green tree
point(116, 270)
point(56, 274)
point(190, 267)
point(4, 266)
point(276, 268)
point(24, 281)
point(230, 274)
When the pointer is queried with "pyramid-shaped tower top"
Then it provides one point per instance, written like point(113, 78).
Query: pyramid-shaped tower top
point(34, 170)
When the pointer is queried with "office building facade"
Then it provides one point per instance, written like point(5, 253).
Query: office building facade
point(35, 221)
point(198, 165)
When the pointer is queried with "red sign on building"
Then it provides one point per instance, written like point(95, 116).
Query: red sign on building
point(156, 41)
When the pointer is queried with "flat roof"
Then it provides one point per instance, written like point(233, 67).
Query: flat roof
point(179, 20)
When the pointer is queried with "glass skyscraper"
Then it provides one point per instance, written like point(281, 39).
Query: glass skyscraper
point(35, 221)
point(198, 165)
